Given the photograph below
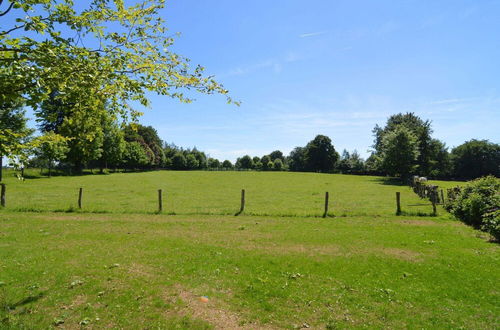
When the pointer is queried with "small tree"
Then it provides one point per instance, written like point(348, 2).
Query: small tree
point(278, 164)
point(12, 129)
point(245, 162)
point(265, 160)
point(135, 156)
point(191, 162)
point(213, 163)
point(297, 159)
point(227, 164)
point(51, 147)
point(113, 146)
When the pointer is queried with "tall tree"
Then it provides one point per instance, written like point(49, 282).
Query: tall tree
point(113, 146)
point(399, 152)
point(321, 155)
point(420, 129)
point(79, 120)
point(297, 160)
point(275, 155)
point(135, 156)
point(476, 158)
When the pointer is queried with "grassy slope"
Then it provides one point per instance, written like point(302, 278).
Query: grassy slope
point(282, 193)
point(363, 271)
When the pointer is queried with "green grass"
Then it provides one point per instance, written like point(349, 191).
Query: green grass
point(446, 184)
point(282, 267)
point(216, 193)
point(136, 271)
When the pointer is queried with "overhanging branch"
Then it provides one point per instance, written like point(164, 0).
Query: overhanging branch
point(8, 9)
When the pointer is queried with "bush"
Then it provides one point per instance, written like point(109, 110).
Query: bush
point(478, 205)
point(491, 223)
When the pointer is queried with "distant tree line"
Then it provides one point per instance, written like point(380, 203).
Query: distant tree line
point(403, 147)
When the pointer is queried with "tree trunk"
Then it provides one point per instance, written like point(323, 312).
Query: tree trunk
point(1, 167)
point(50, 165)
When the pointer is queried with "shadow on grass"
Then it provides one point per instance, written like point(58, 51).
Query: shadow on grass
point(389, 181)
point(26, 301)
point(31, 174)
point(417, 214)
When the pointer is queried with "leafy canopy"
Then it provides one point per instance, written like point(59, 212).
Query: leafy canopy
point(94, 53)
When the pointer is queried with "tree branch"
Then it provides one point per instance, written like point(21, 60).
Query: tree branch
point(11, 30)
point(8, 9)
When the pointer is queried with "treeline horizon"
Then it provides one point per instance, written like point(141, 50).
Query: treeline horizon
point(403, 147)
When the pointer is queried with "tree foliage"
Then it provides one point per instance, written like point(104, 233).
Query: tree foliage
point(135, 157)
point(45, 51)
point(399, 151)
point(51, 147)
point(476, 158)
point(320, 155)
point(13, 129)
point(245, 162)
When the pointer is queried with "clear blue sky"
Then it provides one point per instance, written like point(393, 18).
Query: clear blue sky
point(337, 68)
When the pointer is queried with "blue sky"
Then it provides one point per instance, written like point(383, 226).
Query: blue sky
point(337, 68)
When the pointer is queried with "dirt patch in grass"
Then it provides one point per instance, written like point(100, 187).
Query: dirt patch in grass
point(140, 270)
point(332, 250)
point(402, 254)
point(209, 310)
point(310, 250)
point(420, 223)
point(77, 302)
point(429, 223)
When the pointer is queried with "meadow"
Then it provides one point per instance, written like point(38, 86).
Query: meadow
point(216, 193)
point(278, 265)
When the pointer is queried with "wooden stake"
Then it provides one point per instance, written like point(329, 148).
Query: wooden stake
point(433, 200)
point(80, 194)
point(398, 203)
point(442, 196)
point(326, 204)
point(160, 201)
point(2, 196)
point(242, 200)
point(242, 207)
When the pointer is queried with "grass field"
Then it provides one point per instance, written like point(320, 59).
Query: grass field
point(366, 269)
point(216, 193)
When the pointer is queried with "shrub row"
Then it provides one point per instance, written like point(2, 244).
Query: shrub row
point(478, 205)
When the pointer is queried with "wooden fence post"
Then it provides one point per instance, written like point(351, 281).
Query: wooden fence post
point(398, 203)
point(326, 204)
point(442, 196)
point(2, 197)
point(242, 207)
point(160, 201)
point(80, 194)
point(433, 200)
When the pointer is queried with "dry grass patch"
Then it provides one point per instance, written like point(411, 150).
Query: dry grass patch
point(210, 310)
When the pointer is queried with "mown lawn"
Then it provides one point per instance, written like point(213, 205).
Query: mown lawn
point(149, 271)
point(216, 193)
